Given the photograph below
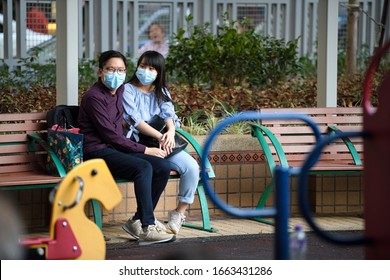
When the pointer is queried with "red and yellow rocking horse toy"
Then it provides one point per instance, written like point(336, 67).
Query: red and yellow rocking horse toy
point(72, 235)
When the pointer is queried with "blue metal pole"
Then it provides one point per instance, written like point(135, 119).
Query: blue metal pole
point(282, 204)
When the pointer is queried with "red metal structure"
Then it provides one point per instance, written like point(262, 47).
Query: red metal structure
point(377, 163)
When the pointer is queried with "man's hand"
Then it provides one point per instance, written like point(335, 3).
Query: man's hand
point(155, 152)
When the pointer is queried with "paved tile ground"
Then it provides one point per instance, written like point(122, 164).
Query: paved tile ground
point(229, 227)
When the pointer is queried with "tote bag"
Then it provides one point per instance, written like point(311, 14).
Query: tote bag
point(67, 146)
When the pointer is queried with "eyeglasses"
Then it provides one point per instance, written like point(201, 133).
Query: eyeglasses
point(112, 70)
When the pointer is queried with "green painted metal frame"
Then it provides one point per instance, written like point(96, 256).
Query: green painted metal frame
point(206, 226)
point(355, 155)
point(261, 132)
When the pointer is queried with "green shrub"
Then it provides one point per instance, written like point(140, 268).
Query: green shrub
point(234, 57)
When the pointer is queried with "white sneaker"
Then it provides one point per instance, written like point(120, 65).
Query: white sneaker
point(161, 226)
point(153, 235)
point(175, 221)
point(133, 227)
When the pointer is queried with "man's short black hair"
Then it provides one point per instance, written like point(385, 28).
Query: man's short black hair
point(107, 55)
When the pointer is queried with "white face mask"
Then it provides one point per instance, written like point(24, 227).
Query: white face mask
point(146, 77)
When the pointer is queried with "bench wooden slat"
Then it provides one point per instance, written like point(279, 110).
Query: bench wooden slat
point(315, 110)
point(340, 157)
point(321, 121)
point(20, 158)
point(292, 141)
point(10, 139)
point(330, 166)
point(25, 126)
point(297, 129)
point(19, 168)
point(27, 178)
point(19, 147)
point(321, 115)
point(306, 148)
point(40, 116)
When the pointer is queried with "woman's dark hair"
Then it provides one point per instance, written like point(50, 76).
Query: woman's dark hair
point(107, 55)
point(157, 61)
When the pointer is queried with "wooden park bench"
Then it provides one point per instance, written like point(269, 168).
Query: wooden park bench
point(288, 142)
point(23, 156)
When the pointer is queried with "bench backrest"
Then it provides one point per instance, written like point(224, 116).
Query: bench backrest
point(297, 139)
point(14, 150)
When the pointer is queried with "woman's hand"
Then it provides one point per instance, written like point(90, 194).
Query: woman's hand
point(167, 141)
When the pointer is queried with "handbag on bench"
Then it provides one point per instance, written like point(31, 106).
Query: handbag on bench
point(63, 138)
point(159, 124)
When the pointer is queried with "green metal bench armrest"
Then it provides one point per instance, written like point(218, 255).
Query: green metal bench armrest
point(261, 132)
point(34, 139)
point(198, 149)
point(200, 189)
point(355, 155)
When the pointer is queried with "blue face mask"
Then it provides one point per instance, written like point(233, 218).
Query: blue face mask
point(114, 80)
point(146, 77)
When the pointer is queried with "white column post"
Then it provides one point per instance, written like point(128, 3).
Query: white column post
point(327, 53)
point(67, 52)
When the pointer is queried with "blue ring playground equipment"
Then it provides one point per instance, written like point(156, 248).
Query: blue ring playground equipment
point(303, 190)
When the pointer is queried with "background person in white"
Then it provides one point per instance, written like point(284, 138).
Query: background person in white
point(146, 95)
